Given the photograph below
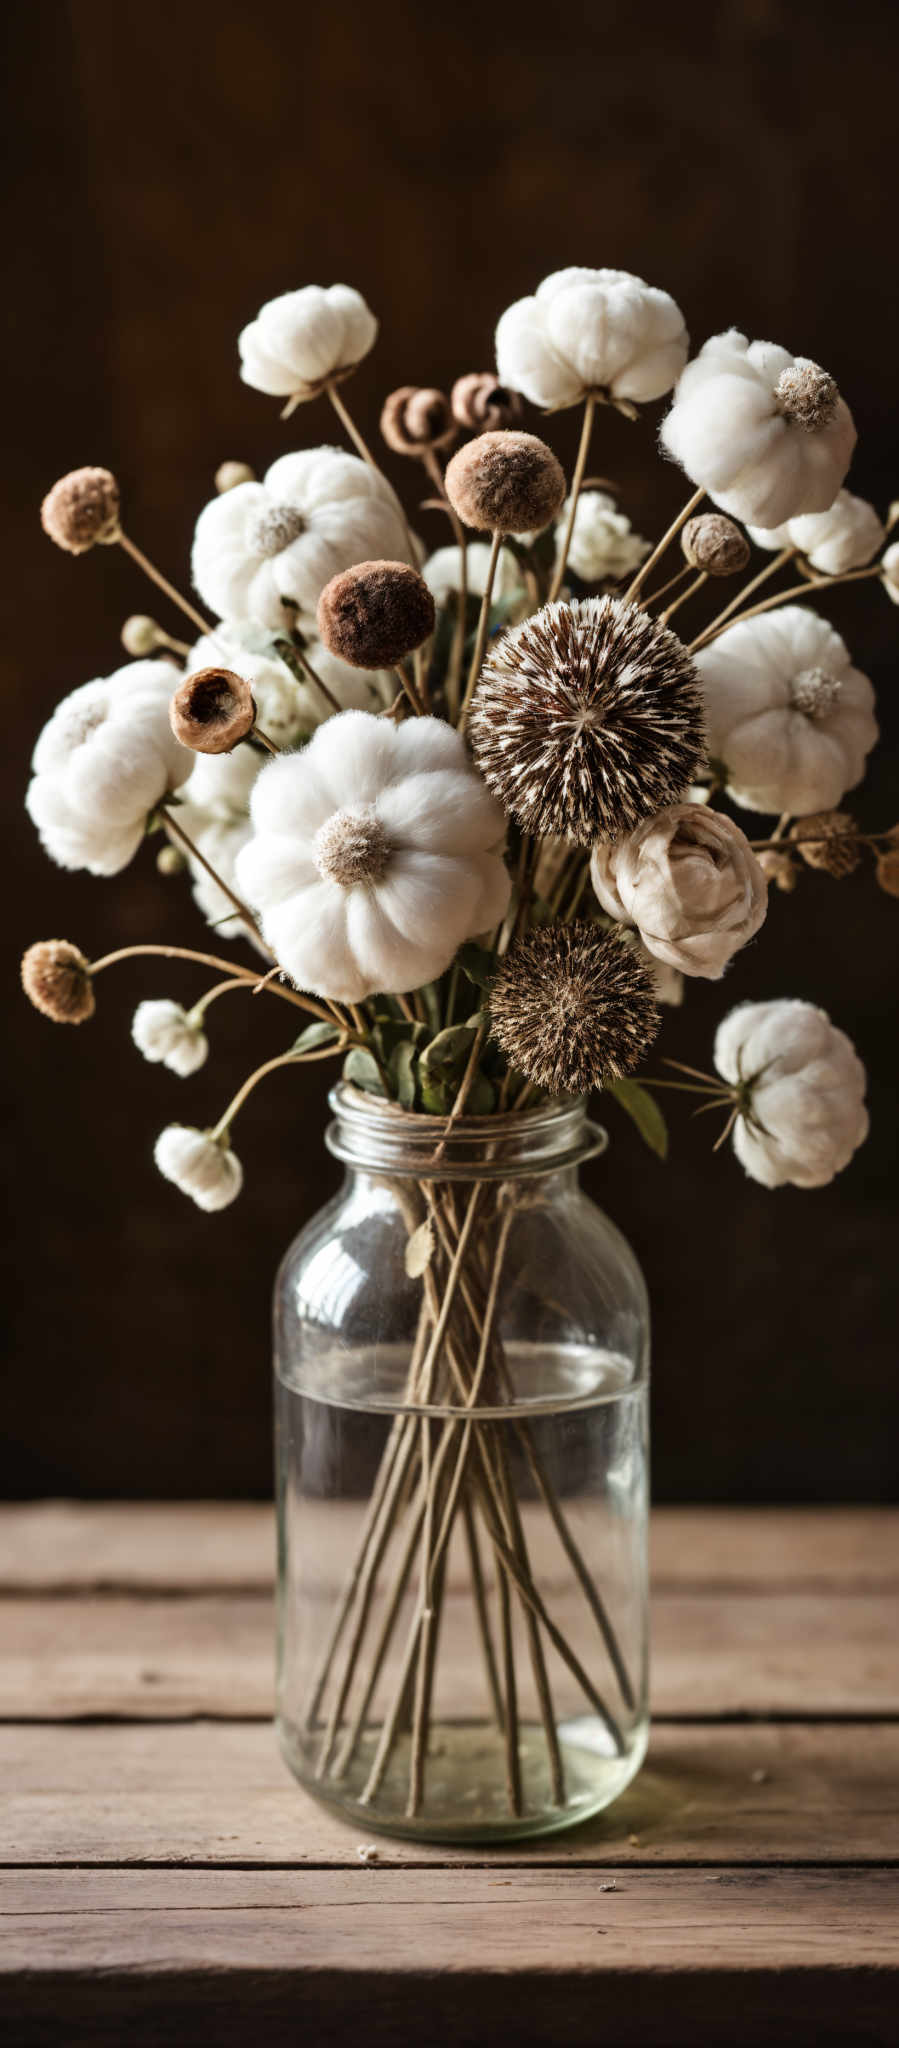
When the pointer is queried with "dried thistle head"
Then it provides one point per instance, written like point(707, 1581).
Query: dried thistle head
point(572, 1007)
point(373, 614)
point(835, 849)
point(56, 978)
point(479, 401)
point(212, 710)
point(587, 719)
point(81, 509)
point(416, 419)
point(780, 869)
point(505, 483)
point(715, 544)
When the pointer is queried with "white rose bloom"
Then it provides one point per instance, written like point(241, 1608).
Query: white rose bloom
point(103, 762)
point(199, 1165)
point(374, 853)
point(690, 882)
point(786, 711)
point(604, 547)
point(890, 567)
point(591, 330)
point(442, 572)
point(845, 537)
point(765, 433)
point(299, 341)
point(802, 1092)
point(313, 515)
point(166, 1033)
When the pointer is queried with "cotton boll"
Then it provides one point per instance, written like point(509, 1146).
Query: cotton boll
point(300, 340)
point(845, 537)
point(591, 331)
point(167, 1034)
point(443, 572)
point(801, 1092)
point(103, 762)
point(689, 881)
point(604, 547)
point(787, 713)
point(766, 434)
point(201, 1166)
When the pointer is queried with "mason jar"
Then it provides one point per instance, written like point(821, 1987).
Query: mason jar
point(461, 1365)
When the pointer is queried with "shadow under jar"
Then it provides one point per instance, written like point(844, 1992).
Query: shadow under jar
point(461, 1362)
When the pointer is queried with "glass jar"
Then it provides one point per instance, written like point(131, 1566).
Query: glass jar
point(461, 1361)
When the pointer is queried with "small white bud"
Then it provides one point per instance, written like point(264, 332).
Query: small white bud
point(229, 474)
point(203, 1167)
point(164, 1032)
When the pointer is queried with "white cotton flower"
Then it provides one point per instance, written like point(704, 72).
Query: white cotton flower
point(890, 568)
point(591, 331)
point(786, 712)
point(103, 762)
point(690, 882)
point(604, 547)
point(802, 1089)
point(166, 1033)
point(765, 433)
point(442, 572)
point(374, 853)
point(313, 515)
point(845, 537)
point(300, 341)
point(202, 1167)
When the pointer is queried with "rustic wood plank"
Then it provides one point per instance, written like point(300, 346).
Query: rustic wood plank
point(219, 1794)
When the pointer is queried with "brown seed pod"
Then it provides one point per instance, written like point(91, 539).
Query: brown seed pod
point(416, 419)
point(572, 1007)
point(888, 871)
point(715, 544)
point(81, 509)
point(479, 401)
point(505, 483)
point(56, 978)
point(780, 869)
point(373, 614)
point(212, 710)
point(836, 850)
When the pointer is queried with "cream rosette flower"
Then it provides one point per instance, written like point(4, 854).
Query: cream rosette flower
point(169, 1036)
point(103, 762)
point(604, 546)
point(801, 1089)
point(786, 712)
point(591, 331)
point(765, 433)
point(203, 1167)
point(890, 572)
point(264, 547)
point(690, 882)
point(845, 537)
point(303, 340)
point(374, 853)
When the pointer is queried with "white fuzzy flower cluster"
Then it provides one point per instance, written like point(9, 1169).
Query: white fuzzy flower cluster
point(802, 1090)
point(604, 546)
point(168, 1035)
point(591, 331)
point(103, 762)
point(302, 339)
point(845, 537)
point(203, 1167)
point(786, 712)
point(765, 433)
point(690, 882)
point(443, 572)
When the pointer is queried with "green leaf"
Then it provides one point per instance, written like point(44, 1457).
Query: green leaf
point(644, 1111)
point(437, 1097)
point(361, 1067)
point(481, 1097)
point(444, 1059)
point(314, 1036)
point(477, 963)
point(402, 1072)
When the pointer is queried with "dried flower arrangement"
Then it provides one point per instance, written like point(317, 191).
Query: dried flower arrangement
point(463, 804)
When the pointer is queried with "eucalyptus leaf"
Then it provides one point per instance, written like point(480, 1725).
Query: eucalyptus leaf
point(402, 1072)
point(481, 1097)
point(361, 1067)
point(644, 1111)
point(444, 1059)
point(315, 1035)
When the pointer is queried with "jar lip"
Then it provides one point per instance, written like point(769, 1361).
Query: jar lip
point(369, 1131)
point(346, 1100)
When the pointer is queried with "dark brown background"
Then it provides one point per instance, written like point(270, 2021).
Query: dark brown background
point(171, 168)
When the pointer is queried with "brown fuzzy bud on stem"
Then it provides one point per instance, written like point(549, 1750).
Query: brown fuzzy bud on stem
point(505, 483)
point(416, 419)
point(715, 545)
point(212, 710)
point(82, 509)
point(229, 474)
point(828, 840)
point(806, 395)
point(479, 401)
point(56, 978)
point(373, 614)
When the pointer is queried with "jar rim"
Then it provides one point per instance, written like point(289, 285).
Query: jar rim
point(372, 1131)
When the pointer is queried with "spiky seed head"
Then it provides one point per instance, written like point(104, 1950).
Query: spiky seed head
point(572, 1007)
point(505, 483)
point(373, 614)
point(806, 395)
point(212, 710)
point(81, 509)
point(479, 401)
point(836, 849)
point(715, 544)
point(56, 978)
point(417, 418)
point(587, 719)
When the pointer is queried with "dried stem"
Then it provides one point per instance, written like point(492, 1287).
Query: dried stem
point(770, 604)
point(162, 583)
point(780, 561)
point(576, 482)
point(242, 909)
point(673, 530)
point(481, 637)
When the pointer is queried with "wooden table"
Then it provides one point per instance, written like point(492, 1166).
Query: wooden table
point(165, 1881)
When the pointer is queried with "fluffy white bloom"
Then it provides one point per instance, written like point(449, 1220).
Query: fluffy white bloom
point(164, 1032)
point(313, 515)
point(604, 546)
point(766, 433)
point(845, 537)
point(591, 330)
point(802, 1092)
point(105, 759)
point(786, 711)
point(375, 853)
point(202, 1167)
point(443, 571)
point(300, 340)
point(890, 566)
point(690, 882)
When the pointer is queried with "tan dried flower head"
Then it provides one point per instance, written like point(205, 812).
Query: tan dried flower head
point(373, 614)
point(141, 635)
point(212, 710)
point(888, 871)
point(715, 544)
point(836, 849)
point(416, 419)
point(807, 395)
point(572, 1007)
point(230, 474)
point(56, 978)
point(505, 483)
point(81, 509)
point(587, 719)
point(780, 869)
point(479, 401)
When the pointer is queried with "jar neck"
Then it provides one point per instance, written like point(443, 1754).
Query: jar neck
point(379, 1137)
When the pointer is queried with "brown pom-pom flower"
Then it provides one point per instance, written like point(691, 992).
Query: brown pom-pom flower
point(586, 719)
point(373, 614)
point(212, 710)
point(836, 849)
point(715, 544)
point(416, 419)
point(505, 483)
point(572, 1007)
point(56, 978)
point(479, 401)
point(81, 509)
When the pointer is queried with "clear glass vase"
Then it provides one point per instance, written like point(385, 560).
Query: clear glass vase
point(461, 1360)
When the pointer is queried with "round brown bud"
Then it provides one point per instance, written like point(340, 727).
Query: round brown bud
point(715, 545)
point(416, 419)
point(373, 614)
point(141, 636)
point(506, 483)
point(479, 401)
point(170, 861)
point(56, 978)
point(81, 509)
point(212, 710)
point(779, 868)
point(888, 871)
point(230, 474)
point(836, 849)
